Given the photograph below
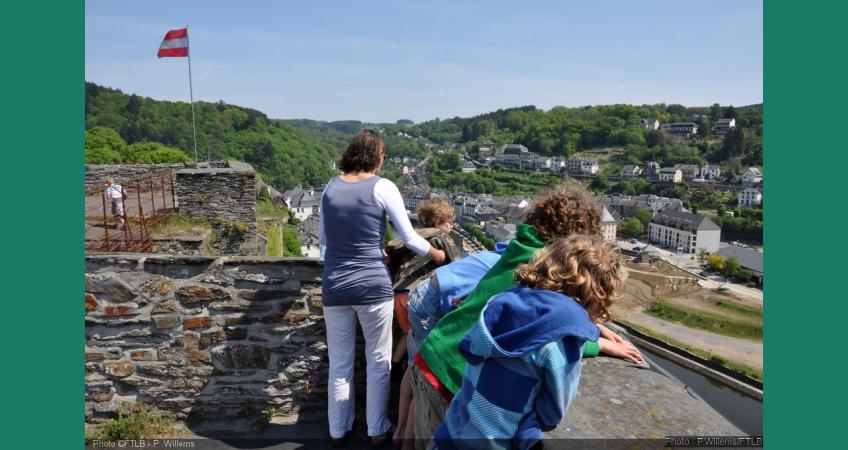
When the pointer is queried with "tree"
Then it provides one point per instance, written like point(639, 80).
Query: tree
point(731, 267)
point(599, 183)
point(730, 112)
point(655, 138)
point(102, 137)
point(631, 227)
point(702, 255)
point(721, 210)
point(715, 263)
point(644, 216)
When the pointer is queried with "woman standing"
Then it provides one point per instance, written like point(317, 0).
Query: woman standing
point(356, 283)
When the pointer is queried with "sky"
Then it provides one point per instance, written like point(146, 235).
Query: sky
point(380, 61)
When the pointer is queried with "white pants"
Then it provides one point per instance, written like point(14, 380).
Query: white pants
point(376, 322)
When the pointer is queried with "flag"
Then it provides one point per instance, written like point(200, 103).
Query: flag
point(175, 44)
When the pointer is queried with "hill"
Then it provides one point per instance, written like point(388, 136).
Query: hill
point(283, 154)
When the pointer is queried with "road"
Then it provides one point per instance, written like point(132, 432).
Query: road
point(745, 351)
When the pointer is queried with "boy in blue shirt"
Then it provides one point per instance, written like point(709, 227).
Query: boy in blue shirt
point(523, 354)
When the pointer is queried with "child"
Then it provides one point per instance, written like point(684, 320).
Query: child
point(434, 297)
point(523, 353)
point(439, 366)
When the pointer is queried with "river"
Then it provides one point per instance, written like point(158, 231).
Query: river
point(740, 409)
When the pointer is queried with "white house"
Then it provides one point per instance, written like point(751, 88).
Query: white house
point(630, 171)
point(650, 123)
point(513, 155)
point(722, 126)
point(749, 197)
point(710, 172)
point(752, 176)
point(685, 232)
point(608, 226)
point(468, 167)
point(304, 203)
point(671, 175)
point(579, 165)
point(683, 130)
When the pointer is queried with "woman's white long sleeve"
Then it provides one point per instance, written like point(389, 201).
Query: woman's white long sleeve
point(388, 196)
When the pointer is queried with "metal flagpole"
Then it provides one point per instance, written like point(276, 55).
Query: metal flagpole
point(191, 94)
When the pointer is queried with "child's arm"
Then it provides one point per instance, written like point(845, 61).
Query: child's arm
point(562, 373)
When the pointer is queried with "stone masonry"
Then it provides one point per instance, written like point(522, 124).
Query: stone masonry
point(224, 338)
point(226, 197)
point(204, 337)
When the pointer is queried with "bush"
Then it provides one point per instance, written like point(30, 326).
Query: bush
point(138, 425)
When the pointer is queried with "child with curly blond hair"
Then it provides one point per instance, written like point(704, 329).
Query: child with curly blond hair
point(523, 353)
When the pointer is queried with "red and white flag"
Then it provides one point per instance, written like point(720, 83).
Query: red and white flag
point(175, 44)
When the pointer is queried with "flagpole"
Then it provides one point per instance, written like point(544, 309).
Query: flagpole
point(191, 94)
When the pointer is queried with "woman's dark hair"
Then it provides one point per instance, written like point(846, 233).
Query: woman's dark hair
point(364, 153)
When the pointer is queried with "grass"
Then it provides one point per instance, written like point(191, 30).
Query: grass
point(178, 225)
point(274, 247)
point(265, 208)
point(705, 321)
point(732, 365)
point(737, 308)
point(137, 425)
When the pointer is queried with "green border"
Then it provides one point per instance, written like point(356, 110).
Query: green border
point(42, 119)
point(805, 124)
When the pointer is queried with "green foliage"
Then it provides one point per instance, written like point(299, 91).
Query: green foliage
point(292, 245)
point(715, 263)
point(152, 153)
point(274, 246)
point(644, 216)
point(705, 321)
point(284, 155)
point(599, 183)
point(478, 234)
point(746, 226)
point(266, 208)
point(491, 181)
point(731, 266)
point(737, 308)
point(180, 225)
point(631, 227)
point(137, 425)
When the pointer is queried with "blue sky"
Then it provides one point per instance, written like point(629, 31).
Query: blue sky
point(382, 61)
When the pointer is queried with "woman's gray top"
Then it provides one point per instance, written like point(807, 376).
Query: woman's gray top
point(354, 272)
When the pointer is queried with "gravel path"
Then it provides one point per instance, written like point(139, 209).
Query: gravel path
point(744, 351)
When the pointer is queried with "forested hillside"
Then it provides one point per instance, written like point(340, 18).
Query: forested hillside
point(563, 131)
point(283, 154)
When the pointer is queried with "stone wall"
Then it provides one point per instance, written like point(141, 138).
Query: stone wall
point(96, 174)
point(204, 337)
point(226, 338)
point(220, 192)
point(226, 197)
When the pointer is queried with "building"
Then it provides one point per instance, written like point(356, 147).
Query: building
point(671, 175)
point(749, 197)
point(500, 231)
point(304, 203)
point(580, 165)
point(689, 171)
point(630, 171)
point(626, 205)
point(650, 123)
point(513, 155)
point(652, 170)
point(749, 259)
point(682, 130)
point(684, 232)
point(542, 163)
point(484, 152)
point(608, 226)
point(722, 126)
point(710, 172)
point(752, 176)
point(308, 238)
point(468, 167)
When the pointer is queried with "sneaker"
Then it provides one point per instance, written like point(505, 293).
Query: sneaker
point(340, 442)
point(379, 441)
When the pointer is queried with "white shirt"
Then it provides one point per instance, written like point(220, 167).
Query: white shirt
point(114, 191)
point(387, 195)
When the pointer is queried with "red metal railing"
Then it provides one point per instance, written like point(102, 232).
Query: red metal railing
point(148, 203)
